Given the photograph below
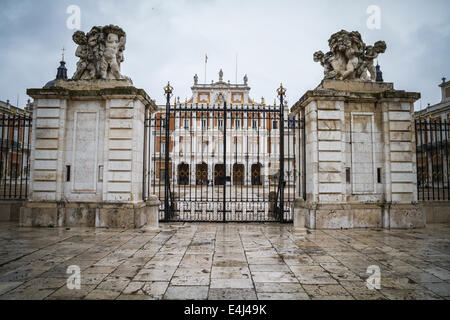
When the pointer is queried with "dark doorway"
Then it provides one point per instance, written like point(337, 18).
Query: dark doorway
point(219, 174)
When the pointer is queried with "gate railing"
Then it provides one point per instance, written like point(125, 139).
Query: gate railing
point(15, 140)
point(222, 162)
point(432, 152)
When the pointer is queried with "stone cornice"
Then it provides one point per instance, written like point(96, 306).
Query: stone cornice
point(349, 96)
point(93, 94)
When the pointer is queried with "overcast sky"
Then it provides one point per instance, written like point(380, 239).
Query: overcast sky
point(274, 40)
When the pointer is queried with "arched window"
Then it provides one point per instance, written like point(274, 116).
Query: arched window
point(201, 174)
point(183, 174)
point(219, 174)
point(238, 174)
point(256, 174)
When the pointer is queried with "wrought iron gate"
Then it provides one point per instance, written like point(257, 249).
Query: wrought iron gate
point(15, 142)
point(433, 159)
point(222, 162)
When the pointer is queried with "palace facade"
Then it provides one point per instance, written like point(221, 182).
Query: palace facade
point(199, 137)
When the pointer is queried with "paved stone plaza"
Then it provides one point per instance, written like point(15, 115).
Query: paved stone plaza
point(224, 261)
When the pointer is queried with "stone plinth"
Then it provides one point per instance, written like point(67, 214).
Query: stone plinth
point(152, 213)
point(360, 156)
point(87, 155)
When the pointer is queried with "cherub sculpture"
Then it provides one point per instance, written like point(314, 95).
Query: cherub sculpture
point(325, 61)
point(82, 52)
point(369, 55)
point(349, 58)
point(113, 53)
point(100, 52)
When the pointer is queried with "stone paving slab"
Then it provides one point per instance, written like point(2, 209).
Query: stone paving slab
point(223, 262)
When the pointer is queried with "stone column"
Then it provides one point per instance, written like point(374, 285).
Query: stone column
point(87, 155)
point(152, 213)
point(360, 156)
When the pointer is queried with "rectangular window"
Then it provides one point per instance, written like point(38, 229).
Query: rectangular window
point(347, 175)
point(25, 136)
point(255, 124)
point(163, 148)
point(220, 124)
point(68, 173)
point(204, 125)
point(100, 173)
point(15, 170)
point(238, 124)
point(275, 124)
point(379, 175)
point(186, 123)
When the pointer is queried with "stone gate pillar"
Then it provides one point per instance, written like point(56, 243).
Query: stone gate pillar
point(360, 156)
point(87, 155)
point(360, 143)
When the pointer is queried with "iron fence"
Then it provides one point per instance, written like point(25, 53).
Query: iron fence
point(432, 151)
point(15, 140)
point(222, 162)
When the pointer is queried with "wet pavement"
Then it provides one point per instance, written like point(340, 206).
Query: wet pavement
point(224, 261)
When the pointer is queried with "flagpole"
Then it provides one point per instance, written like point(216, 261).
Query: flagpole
point(236, 66)
point(206, 62)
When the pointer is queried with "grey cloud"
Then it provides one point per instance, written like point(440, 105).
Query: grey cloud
point(167, 40)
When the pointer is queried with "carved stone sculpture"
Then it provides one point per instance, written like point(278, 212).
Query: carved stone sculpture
point(349, 58)
point(369, 56)
point(100, 52)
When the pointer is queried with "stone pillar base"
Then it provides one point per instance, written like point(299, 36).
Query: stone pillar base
point(405, 216)
point(152, 213)
point(84, 214)
point(299, 214)
point(370, 215)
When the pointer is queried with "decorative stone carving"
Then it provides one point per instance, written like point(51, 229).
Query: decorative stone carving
point(349, 57)
point(245, 80)
point(100, 52)
point(195, 79)
point(220, 75)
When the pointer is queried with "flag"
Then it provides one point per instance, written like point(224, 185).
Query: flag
point(206, 58)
